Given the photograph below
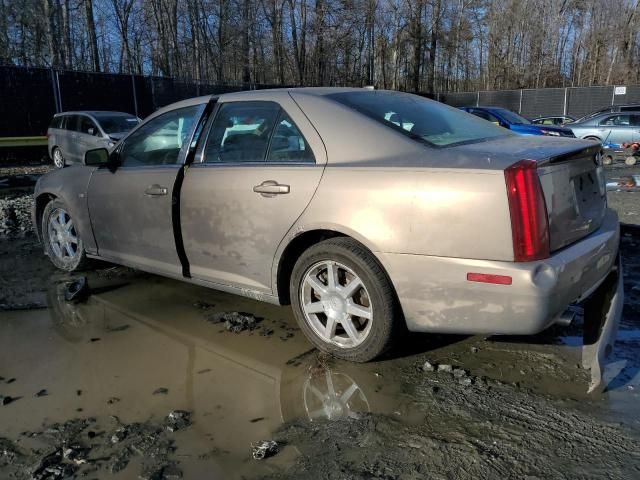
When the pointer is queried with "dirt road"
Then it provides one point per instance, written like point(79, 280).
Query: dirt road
point(88, 388)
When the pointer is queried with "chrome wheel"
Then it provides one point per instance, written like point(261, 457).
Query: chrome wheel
point(58, 159)
point(63, 237)
point(336, 304)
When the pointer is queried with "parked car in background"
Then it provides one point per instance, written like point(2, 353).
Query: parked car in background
point(609, 128)
point(370, 211)
point(70, 134)
point(553, 120)
point(516, 123)
point(628, 107)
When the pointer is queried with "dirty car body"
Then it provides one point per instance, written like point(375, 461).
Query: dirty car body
point(369, 211)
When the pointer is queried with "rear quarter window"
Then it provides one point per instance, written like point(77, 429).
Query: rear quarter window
point(56, 122)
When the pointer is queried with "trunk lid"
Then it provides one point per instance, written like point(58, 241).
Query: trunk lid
point(574, 189)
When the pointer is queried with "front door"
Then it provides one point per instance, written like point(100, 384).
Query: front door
point(131, 207)
point(258, 170)
point(617, 128)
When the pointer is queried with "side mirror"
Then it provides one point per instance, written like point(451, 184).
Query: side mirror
point(96, 157)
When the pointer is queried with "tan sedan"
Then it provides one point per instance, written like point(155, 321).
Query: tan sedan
point(371, 212)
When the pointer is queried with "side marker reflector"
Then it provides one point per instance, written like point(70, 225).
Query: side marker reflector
point(487, 278)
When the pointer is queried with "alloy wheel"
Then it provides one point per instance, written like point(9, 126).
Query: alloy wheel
point(58, 159)
point(63, 237)
point(336, 304)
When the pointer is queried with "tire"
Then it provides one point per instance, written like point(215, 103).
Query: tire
point(58, 158)
point(354, 338)
point(62, 243)
point(607, 160)
point(593, 139)
point(631, 160)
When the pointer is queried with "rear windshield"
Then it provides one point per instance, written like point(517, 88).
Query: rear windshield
point(116, 123)
point(429, 122)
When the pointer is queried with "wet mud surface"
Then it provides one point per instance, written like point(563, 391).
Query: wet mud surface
point(153, 378)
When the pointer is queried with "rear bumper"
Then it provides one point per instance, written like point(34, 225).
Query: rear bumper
point(436, 296)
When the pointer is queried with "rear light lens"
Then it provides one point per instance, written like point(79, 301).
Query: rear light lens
point(529, 220)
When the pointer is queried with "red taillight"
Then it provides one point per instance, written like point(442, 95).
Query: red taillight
point(529, 221)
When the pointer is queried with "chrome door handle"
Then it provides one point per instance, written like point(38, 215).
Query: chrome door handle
point(270, 188)
point(156, 191)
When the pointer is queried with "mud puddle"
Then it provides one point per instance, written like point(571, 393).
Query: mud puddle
point(142, 347)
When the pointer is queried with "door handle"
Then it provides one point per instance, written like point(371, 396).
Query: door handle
point(156, 191)
point(270, 188)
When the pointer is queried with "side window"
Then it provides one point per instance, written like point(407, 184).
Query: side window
point(87, 126)
point(159, 141)
point(634, 120)
point(288, 144)
point(56, 122)
point(71, 122)
point(241, 132)
point(616, 120)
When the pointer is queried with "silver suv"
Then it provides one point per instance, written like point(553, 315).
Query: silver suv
point(70, 134)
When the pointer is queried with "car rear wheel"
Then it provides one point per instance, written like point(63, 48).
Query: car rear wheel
point(343, 300)
point(593, 139)
point(630, 160)
point(607, 160)
point(62, 243)
point(58, 159)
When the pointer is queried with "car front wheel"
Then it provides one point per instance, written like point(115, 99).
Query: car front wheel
point(62, 243)
point(343, 300)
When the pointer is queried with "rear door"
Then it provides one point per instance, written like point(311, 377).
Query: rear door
point(254, 176)
point(131, 207)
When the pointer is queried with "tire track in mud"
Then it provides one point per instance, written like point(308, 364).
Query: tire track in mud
point(482, 431)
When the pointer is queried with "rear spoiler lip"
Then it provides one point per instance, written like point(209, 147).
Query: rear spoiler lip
point(593, 151)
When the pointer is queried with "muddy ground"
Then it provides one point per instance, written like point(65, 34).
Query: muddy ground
point(153, 378)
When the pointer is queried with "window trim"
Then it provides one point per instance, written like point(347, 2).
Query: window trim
point(199, 160)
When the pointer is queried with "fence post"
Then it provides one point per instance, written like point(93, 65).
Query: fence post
point(135, 95)
point(520, 106)
point(478, 98)
point(59, 90)
point(564, 110)
point(613, 96)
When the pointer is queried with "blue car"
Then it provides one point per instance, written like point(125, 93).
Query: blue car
point(516, 123)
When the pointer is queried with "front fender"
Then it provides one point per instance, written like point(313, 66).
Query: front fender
point(70, 185)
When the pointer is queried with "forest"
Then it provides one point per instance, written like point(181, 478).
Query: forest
point(427, 46)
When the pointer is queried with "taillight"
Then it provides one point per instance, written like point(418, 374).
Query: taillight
point(529, 221)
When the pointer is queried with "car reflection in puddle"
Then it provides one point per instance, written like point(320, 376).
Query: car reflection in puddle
point(143, 346)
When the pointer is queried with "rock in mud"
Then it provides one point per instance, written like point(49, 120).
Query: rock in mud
point(264, 449)
point(119, 435)
point(42, 393)
point(428, 366)
point(177, 420)
point(6, 399)
point(444, 368)
point(235, 322)
point(459, 372)
point(161, 391)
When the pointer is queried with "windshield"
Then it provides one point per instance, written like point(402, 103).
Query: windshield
point(117, 123)
point(512, 117)
point(424, 120)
